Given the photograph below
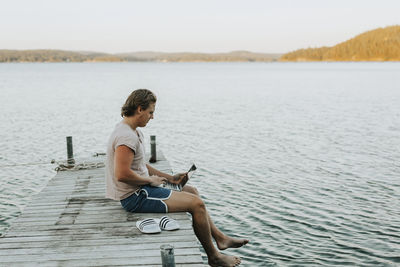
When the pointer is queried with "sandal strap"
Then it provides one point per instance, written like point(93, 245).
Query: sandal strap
point(147, 222)
point(164, 221)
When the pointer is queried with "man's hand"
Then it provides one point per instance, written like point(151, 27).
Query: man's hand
point(157, 180)
point(179, 178)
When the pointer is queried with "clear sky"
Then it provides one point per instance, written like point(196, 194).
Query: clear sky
point(115, 26)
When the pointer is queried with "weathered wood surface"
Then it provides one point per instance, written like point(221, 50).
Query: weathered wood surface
point(70, 223)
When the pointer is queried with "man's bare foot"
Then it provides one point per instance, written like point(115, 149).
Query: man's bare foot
point(224, 261)
point(230, 242)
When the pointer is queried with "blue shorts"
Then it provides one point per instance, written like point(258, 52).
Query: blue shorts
point(147, 199)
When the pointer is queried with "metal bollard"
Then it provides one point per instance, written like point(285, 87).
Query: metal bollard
point(153, 150)
point(167, 256)
point(70, 152)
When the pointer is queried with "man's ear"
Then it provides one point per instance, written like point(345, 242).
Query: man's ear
point(139, 110)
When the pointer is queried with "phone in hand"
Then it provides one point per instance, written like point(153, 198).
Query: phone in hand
point(191, 171)
point(189, 174)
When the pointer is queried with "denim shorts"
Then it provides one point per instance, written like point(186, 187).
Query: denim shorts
point(147, 199)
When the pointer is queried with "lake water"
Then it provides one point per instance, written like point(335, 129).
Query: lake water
point(302, 158)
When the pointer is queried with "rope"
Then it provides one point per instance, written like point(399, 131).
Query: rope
point(63, 165)
point(80, 166)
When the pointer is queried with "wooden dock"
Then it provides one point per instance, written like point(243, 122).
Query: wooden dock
point(70, 223)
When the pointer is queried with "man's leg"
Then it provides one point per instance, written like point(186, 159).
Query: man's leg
point(223, 241)
point(183, 201)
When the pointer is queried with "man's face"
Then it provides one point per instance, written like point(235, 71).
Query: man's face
point(146, 114)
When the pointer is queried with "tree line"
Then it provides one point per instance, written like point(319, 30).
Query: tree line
point(43, 55)
point(69, 56)
point(382, 44)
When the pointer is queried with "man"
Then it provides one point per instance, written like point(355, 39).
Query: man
point(135, 183)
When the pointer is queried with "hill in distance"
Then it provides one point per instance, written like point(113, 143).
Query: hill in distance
point(238, 56)
point(382, 44)
point(42, 55)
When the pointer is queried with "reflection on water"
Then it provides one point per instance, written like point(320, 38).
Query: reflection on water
point(301, 158)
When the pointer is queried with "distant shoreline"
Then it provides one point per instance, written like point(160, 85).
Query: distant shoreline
point(57, 56)
point(379, 45)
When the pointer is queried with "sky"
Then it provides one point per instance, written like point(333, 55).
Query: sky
point(210, 26)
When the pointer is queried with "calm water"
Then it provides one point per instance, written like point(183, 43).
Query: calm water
point(302, 158)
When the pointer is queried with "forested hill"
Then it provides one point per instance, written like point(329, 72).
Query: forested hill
point(382, 44)
point(69, 56)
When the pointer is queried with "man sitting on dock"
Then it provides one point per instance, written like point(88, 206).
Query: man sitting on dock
point(135, 183)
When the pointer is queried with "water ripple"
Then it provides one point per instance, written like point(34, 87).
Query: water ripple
point(305, 168)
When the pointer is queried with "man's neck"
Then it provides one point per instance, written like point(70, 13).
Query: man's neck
point(131, 122)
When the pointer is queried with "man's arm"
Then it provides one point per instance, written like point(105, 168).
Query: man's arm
point(154, 171)
point(174, 179)
point(123, 173)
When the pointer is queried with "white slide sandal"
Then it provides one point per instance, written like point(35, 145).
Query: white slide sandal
point(148, 226)
point(168, 224)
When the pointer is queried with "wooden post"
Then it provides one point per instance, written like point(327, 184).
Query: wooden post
point(167, 256)
point(153, 150)
point(70, 152)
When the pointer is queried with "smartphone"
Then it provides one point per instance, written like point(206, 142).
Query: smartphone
point(191, 171)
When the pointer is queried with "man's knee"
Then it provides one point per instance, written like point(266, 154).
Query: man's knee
point(198, 205)
point(192, 190)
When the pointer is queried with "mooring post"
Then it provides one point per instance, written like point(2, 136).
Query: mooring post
point(167, 256)
point(70, 152)
point(153, 150)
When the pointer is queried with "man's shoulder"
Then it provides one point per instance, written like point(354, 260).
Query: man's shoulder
point(122, 134)
point(122, 129)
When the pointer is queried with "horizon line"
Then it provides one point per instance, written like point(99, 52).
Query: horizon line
point(141, 51)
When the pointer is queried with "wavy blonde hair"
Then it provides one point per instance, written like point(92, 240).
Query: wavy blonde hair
point(138, 98)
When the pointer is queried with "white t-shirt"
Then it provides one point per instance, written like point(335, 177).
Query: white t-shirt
point(123, 134)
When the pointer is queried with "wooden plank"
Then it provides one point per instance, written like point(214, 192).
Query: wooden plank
point(84, 217)
point(40, 241)
point(133, 246)
point(186, 260)
point(118, 215)
point(69, 219)
point(84, 253)
point(93, 202)
point(92, 231)
point(70, 223)
point(87, 214)
point(10, 243)
point(95, 208)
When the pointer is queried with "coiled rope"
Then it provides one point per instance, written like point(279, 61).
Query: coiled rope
point(63, 165)
point(80, 166)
